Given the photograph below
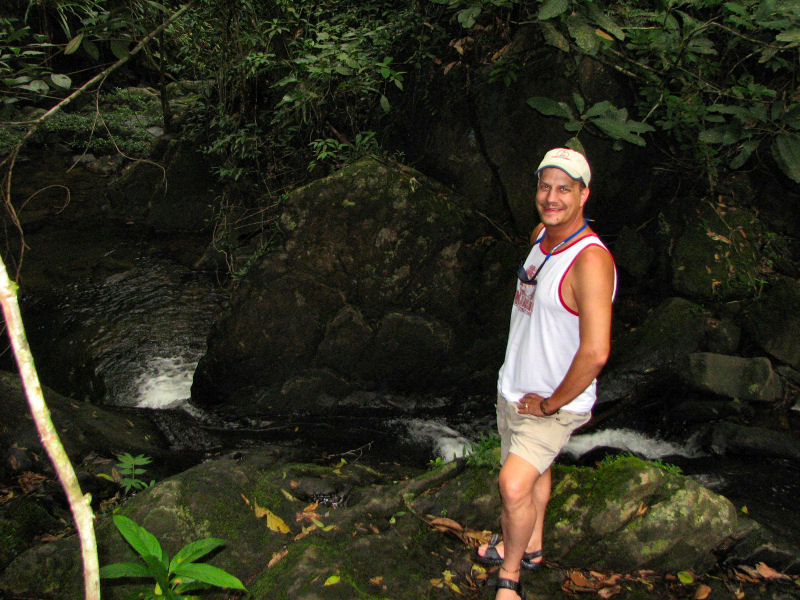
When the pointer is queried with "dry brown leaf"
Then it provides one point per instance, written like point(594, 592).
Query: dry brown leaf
point(613, 579)
point(307, 516)
point(276, 556)
point(304, 531)
point(598, 575)
point(377, 580)
point(246, 501)
point(374, 528)
point(311, 507)
point(768, 572)
point(608, 592)
point(642, 509)
point(703, 592)
point(444, 523)
point(580, 580)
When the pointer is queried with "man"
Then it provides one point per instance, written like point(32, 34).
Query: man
point(559, 340)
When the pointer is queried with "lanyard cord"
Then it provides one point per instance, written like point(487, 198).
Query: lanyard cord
point(549, 254)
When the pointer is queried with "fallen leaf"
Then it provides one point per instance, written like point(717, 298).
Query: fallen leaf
point(246, 501)
point(288, 496)
point(642, 509)
point(768, 572)
point(686, 577)
point(374, 528)
point(377, 580)
point(443, 523)
point(277, 556)
point(608, 592)
point(304, 531)
point(579, 579)
point(274, 522)
point(703, 592)
point(332, 580)
point(311, 507)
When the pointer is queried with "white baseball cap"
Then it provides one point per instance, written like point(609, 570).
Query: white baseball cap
point(573, 163)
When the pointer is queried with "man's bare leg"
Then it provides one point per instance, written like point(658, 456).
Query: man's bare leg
point(517, 482)
point(541, 497)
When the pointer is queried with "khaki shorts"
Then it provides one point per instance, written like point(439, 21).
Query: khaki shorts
point(537, 440)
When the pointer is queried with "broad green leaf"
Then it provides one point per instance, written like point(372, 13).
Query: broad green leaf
point(748, 148)
point(332, 580)
point(599, 108)
point(579, 102)
point(385, 104)
point(685, 577)
point(124, 569)
point(209, 574)
point(553, 37)
point(724, 134)
point(91, 49)
point(193, 551)
point(158, 570)
point(605, 22)
point(552, 8)
point(786, 152)
point(583, 34)
point(618, 130)
point(119, 48)
point(37, 85)
point(468, 16)
point(548, 107)
point(73, 45)
point(144, 542)
point(791, 37)
point(62, 81)
point(575, 144)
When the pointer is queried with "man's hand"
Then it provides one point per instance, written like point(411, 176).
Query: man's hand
point(531, 404)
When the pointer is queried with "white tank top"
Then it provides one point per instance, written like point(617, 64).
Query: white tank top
point(544, 336)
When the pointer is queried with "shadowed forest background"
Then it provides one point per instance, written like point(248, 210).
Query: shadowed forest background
point(324, 204)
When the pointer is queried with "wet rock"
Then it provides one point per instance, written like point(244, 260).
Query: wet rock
point(630, 514)
point(633, 253)
point(625, 515)
point(733, 376)
point(675, 329)
point(712, 257)
point(773, 321)
point(376, 285)
point(735, 438)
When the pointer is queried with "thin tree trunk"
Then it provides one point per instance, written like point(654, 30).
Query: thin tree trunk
point(79, 504)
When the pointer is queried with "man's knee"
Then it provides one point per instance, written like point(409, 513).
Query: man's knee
point(514, 487)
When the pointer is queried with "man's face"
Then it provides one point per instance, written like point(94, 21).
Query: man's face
point(559, 198)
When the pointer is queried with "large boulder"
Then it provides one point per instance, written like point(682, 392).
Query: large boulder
point(734, 376)
point(384, 282)
point(675, 329)
point(629, 514)
point(305, 531)
point(773, 321)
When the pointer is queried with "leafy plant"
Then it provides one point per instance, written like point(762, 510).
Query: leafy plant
point(174, 578)
point(128, 470)
point(603, 117)
point(483, 452)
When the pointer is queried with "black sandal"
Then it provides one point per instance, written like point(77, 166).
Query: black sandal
point(510, 584)
point(492, 557)
point(528, 562)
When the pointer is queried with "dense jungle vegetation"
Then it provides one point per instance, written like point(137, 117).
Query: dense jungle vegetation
point(284, 90)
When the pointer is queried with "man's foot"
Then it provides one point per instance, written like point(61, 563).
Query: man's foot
point(490, 554)
point(505, 583)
